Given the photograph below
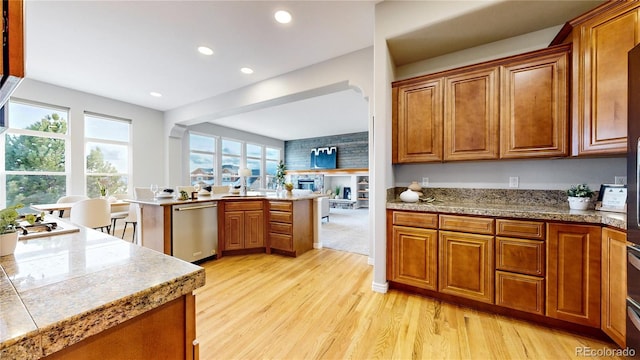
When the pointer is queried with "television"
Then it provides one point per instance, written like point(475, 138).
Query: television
point(324, 158)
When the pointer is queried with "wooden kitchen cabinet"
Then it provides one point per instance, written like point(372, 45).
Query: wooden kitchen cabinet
point(614, 285)
point(13, 36)
point(465, 265)
point(534, 104)
point(243, 225)
point(601, 40)
point(417, 121)
point(414, 246)
point(471, 115)
point(573, 273)
point(290, 226)
point(520, 265)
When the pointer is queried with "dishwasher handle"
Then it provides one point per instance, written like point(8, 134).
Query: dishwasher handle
point(196, 207)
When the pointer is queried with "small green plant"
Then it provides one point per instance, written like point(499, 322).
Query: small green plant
point(8, 219)
point(580, 190)
point(337, 192)
point(280, 173)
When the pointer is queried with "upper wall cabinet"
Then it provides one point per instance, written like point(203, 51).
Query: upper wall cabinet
point(601, 40)
point(471, 115)
point(534, 105)
point(514, 107)
point(417, 118)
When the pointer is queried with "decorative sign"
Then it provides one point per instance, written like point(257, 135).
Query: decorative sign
point(612, 197)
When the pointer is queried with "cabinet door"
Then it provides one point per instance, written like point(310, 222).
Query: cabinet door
point(534, 114)
point(233, 230)
point(466, 265)
point(600, 85)
point(614, 285)
point(254, 229)
point(573, 273)
point(414, 257)
point(418, 126)
point(471, 115)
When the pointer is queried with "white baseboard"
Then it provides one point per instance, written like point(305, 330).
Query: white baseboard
point(381, 288)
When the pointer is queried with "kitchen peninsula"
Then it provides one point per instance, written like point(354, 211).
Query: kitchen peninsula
point(77, 295)
point(256, 222)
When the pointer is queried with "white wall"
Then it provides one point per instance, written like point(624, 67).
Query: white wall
point(147, 130)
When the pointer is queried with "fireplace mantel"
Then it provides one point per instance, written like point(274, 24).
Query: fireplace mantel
point(363, 171)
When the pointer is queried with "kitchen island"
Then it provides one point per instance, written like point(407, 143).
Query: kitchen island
point(88, 294)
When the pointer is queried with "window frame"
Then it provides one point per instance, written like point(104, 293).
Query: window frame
point(26, 132)
point(128, 144)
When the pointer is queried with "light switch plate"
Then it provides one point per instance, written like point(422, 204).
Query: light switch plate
point(425, 181)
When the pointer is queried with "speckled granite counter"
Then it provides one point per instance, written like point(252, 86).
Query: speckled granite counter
point(56, 291)
point(252, 195)
point(522, 204)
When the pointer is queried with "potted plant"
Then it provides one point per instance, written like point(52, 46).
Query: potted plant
point(8, 229)
point(579, 196)
point(280, 174)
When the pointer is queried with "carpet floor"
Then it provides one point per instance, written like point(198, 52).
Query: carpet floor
point(347, 230)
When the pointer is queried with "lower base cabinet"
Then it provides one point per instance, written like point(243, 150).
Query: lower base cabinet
point(466, 265)
point(413, 249)
point(614, 286)
point(573, 273)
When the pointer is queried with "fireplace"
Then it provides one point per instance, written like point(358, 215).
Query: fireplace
point(306, 184)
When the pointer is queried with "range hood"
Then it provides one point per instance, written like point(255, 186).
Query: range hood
point(12, 54)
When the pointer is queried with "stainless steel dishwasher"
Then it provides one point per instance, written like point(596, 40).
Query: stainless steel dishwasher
point(194, 234)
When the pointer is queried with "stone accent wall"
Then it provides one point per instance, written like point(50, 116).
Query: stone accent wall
point(353, 151)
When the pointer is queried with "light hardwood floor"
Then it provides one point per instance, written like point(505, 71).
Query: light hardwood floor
point(321, 306)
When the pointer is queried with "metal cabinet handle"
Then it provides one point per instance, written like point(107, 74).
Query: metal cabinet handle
point(196, 207)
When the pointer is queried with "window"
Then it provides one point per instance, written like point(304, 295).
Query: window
point(107, 151)
point(231, 156)
point(202, 159)
point(217, 161)
point(35, 153)
point(254, 162)
point(272, 158)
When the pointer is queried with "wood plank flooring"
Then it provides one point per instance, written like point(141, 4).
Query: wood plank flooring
point(321, 306)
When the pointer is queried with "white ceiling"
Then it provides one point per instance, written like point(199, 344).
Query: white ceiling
point(126, 49)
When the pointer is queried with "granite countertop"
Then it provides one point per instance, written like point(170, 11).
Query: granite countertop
point(251, 195)
point(56, 291)
point(546, 205)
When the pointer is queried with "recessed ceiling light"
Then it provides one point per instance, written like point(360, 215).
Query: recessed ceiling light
point(282, 16)
point(246, 70)
point(155, 94)
point(205, 50)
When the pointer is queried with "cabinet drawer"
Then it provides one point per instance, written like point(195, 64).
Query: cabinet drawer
point(281, 241)
point(521, 256)
point(279, 216)
point(280, 228)
point(243, 205)
point(280, 205)
point(414, 219)
point(520, 229)
point(520, 292)
point(470, 224)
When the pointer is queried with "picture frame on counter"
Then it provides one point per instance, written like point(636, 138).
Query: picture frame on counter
point(612, 197)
